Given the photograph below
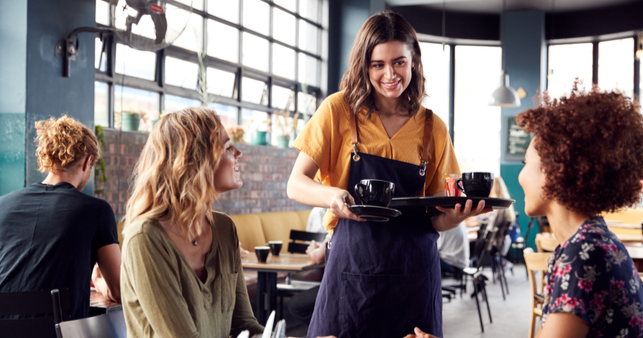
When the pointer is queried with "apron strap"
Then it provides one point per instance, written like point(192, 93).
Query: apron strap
point(426, 142)
point(354, 136)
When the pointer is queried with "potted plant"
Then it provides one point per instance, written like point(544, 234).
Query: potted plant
point(130, 120)
point(284, 124)
point(259, 131)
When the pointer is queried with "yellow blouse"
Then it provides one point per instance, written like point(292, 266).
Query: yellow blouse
point(326, 139)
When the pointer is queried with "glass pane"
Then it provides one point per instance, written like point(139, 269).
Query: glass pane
point(192, 36)
point(135, 62)
point(175, 103)
point(306, 103)
point(308, 67)
point(223, 41)
point(225, 9)
point(255, 51)
point(198, 4)
point(98, 58)
point(102, 12)
point(253, 120)
point(283, 61)
point(220, 82)
point(477, 125)
point(101, 117)
point(283, 98)
point(615, 65)
point(283, 27)
point(227, 114)
point(290, 5)
point(566, 63)
point(436, 72)
point(254, 91)
point(309, 9)
point(180, 73)
point(135, 101)
point(256, 16)
point(308, 37)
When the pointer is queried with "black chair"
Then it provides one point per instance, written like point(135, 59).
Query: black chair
point(109, 325)
point(33, 314)
point(475, 272)
point(521, 243)
point(299, 242)
point(497, 269)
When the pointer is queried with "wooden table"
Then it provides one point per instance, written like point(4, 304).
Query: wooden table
point(267, 277)
point(636, 252)
point(99, 304)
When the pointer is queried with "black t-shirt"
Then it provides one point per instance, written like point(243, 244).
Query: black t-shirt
point(49, 238)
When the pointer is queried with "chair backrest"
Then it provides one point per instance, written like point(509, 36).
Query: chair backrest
point(546, 242)
point(536, 261)
point(34, 313)
point(301, 239)
point(488, 246)
point(109, 325)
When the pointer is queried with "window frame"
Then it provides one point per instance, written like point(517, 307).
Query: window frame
point(158, 85)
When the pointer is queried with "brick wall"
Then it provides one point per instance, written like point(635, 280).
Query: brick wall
point(264, 170)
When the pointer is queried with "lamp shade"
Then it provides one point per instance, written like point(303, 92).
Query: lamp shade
point(505, 96)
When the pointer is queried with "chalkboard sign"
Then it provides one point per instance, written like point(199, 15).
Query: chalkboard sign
point(517, 141)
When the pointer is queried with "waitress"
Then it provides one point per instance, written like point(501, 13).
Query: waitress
point(381, 279)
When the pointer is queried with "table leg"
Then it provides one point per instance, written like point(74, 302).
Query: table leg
point(266, 295)
point(261, 297)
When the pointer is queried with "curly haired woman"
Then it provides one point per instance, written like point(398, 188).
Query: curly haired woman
point(182, 274)
point(586, 159)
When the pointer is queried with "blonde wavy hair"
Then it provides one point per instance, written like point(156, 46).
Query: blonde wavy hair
point(174, 177)
point(381, 28)
point(62, 143)
point(499, 190)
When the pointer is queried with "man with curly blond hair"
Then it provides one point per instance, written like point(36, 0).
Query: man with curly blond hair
point(51, 234)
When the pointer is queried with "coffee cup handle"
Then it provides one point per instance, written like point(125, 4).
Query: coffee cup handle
point(458, 185)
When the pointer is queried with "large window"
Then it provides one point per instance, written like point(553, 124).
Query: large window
point(435, 61)
point(612, 67)
point(566, 64)
point(259, 55)
point(477, 125)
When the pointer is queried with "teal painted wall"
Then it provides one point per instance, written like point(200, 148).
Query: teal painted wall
point(525, 62)
point(13, 73)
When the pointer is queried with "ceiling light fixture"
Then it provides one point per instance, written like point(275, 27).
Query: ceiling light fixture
point(504, 96)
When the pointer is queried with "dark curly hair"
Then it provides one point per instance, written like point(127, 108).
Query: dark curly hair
point(591, 149)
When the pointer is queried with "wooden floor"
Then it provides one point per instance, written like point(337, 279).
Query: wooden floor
point(460, 317)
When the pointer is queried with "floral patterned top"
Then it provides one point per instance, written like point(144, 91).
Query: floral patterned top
point(592, 276)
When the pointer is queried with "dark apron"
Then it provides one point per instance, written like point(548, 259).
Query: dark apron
point(382, 279)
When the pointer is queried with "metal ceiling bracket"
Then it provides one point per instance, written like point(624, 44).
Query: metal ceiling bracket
point(67, 48)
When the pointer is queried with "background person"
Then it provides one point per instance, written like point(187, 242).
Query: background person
point(376, 128)
point(51, 234)
point(586, 159)
point(182, 273)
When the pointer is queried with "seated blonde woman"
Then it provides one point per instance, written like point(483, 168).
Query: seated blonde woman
point(181, 273)
point(586, 158)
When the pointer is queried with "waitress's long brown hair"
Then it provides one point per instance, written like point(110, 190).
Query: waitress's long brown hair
point(381, 28)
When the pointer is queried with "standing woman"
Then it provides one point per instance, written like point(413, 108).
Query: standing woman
point(381, 279)
point(181, 274)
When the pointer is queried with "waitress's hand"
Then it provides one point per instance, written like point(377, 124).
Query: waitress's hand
point(419, 334)
point(450, 218)
point(338, 205)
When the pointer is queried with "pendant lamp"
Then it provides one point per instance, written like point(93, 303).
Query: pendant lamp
point(504, 96)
